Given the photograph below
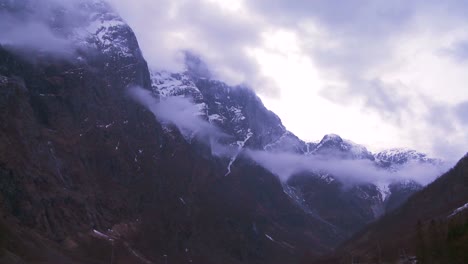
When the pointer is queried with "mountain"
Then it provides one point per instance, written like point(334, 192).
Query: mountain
point(431, 227)
point(242, 115)
point(392, 158)
point(236, 110)
point(89, 175)
point(334, 145)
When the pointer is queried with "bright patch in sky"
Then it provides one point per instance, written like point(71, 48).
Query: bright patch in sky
point(300, 108)
point(229, 5)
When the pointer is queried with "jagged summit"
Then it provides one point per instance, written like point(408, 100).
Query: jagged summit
point(331, 137)
point(400, 156)
point(334, 145)
point(75, 29)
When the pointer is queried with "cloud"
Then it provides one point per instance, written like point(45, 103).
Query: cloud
point(179, 111)
point(186, 116)
point(49, 26)
point(458, 51)
point(384, 98)
point(378, 57)
point(165, 28)
point(461, 111)
point(32, 35)
point(385, 57)
point(348, 171)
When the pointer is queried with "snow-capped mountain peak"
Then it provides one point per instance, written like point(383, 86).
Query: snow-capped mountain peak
point(332, 144)
point(400, 156)
point(331, 137)
point(74, 27)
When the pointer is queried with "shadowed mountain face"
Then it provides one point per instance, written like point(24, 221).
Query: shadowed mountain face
point(82, 164)
point(431, 227)
point(89, 175)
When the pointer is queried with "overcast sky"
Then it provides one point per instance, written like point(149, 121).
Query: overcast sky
point(381, 73)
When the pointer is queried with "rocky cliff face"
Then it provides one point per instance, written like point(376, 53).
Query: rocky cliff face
point(236, 110)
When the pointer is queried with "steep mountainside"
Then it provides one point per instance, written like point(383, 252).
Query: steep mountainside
point(431, 227)
point(236, 110)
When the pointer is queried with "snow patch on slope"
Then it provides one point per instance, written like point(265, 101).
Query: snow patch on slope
point(384, 190)
point(173, 84)
point(335, 145)
point(103, 29)
point(458, 210)
point(215, 117)
point(240, 145)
